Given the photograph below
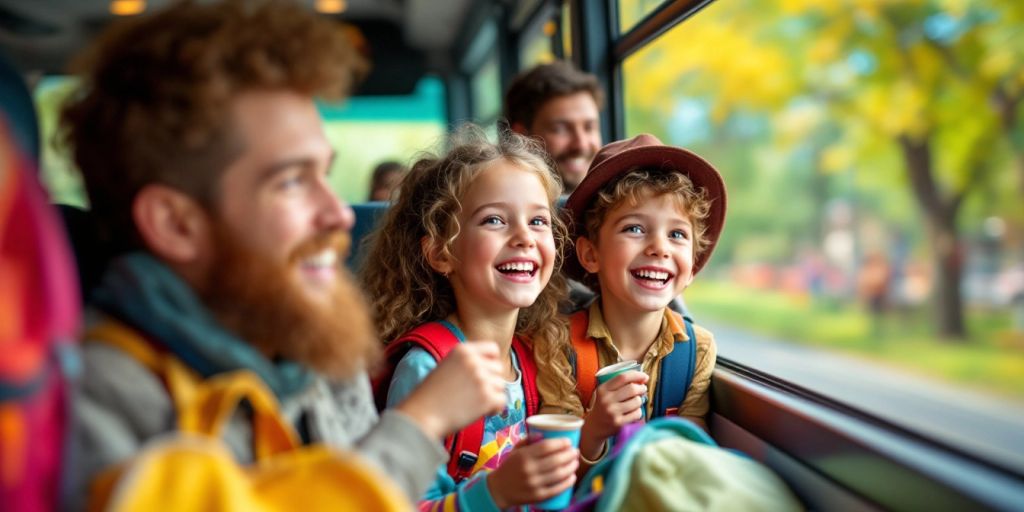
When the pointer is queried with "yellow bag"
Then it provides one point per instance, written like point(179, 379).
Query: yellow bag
point(192, 469)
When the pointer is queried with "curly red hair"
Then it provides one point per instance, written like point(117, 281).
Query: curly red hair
point(155, 99)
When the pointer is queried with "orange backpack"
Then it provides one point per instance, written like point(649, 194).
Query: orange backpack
point(680, 362)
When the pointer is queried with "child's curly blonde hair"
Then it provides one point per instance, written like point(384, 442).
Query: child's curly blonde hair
point(631, 189)
point(404, 289)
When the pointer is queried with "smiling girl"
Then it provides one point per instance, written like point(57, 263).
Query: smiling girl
point(466, 255)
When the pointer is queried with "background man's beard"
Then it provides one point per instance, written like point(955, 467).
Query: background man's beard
point(260, 301)
point(570, 179)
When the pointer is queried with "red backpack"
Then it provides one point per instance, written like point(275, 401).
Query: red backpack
point(438, 339)
point(39, 313)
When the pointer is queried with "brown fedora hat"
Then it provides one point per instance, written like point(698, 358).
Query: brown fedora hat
point(647, 152)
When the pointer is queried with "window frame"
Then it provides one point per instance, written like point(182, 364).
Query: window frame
point(801, 434)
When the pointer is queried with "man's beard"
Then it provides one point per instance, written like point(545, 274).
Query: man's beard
point(571, 180)
point(260, 301)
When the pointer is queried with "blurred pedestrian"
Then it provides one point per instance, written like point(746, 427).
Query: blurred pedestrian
point(386, 177)
point(873, 287)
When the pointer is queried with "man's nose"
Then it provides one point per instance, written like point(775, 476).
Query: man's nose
point(334, 212)
point(578, 140)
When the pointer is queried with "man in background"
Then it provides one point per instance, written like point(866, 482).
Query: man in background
point(560, 105)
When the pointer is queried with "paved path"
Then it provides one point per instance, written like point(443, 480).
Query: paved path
point(990, 426)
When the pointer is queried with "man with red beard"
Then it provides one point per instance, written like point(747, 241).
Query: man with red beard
point(560, 105)
point(206, 167)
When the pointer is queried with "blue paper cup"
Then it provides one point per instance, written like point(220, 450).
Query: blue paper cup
point(553, 426)
point(609, 372)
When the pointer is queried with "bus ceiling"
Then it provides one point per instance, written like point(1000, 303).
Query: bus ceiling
point(404, 38)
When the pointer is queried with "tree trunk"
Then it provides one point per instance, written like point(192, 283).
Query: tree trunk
point(940, 219)
point(1006, 107)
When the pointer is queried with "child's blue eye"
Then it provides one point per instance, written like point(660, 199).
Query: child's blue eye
point(679, 234)
point(633, 228)
point(540, 221)
point(492, 220)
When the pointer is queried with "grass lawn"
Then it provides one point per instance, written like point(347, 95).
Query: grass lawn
point(992, 359)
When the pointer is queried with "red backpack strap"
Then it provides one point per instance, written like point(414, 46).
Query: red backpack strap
point(586, 356)
point(438, 339)
point(433, 337)
point(528, 368)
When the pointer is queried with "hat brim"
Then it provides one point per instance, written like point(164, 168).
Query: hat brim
point(701, 173)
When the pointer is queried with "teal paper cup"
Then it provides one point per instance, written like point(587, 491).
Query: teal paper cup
point(553, 426)
point(609, 372)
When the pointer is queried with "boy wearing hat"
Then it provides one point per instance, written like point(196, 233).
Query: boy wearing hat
point(645, 220)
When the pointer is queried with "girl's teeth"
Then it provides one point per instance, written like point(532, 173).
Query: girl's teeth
point(517, 267)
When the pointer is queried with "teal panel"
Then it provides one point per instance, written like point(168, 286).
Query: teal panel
point(426, 103)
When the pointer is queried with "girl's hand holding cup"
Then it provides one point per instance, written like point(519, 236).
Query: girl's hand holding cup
point(542, 471)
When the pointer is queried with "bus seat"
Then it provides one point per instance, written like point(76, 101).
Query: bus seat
point(90, 257)
point(368, 215)
point(19, 110)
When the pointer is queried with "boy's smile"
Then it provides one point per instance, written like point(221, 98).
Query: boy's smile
point(652, 277)
point(643, 256)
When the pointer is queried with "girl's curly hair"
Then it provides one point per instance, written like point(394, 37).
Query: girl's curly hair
point(404, 290)
point(631, 189)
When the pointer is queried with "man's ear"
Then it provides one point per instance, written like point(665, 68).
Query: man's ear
point(172, 225)
point(519, 128)
point(586, 252)
point(437, 261)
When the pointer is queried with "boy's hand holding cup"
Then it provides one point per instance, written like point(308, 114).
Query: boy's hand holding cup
point(614, 370)
point(620, 399)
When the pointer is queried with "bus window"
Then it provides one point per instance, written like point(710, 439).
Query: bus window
point(632, 11)
point(57, 172)
point(486, 91)
point(536, 42)
point(366, 130)
point(565, 26)
point(874, 202)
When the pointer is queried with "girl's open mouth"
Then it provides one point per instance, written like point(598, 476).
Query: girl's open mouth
point(521, 270)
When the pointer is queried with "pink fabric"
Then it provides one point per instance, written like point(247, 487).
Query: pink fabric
point(40, 298)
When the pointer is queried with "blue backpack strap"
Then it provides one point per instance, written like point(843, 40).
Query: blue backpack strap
point(676, 373)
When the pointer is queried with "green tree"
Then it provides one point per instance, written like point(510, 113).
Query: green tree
point(938, 82)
